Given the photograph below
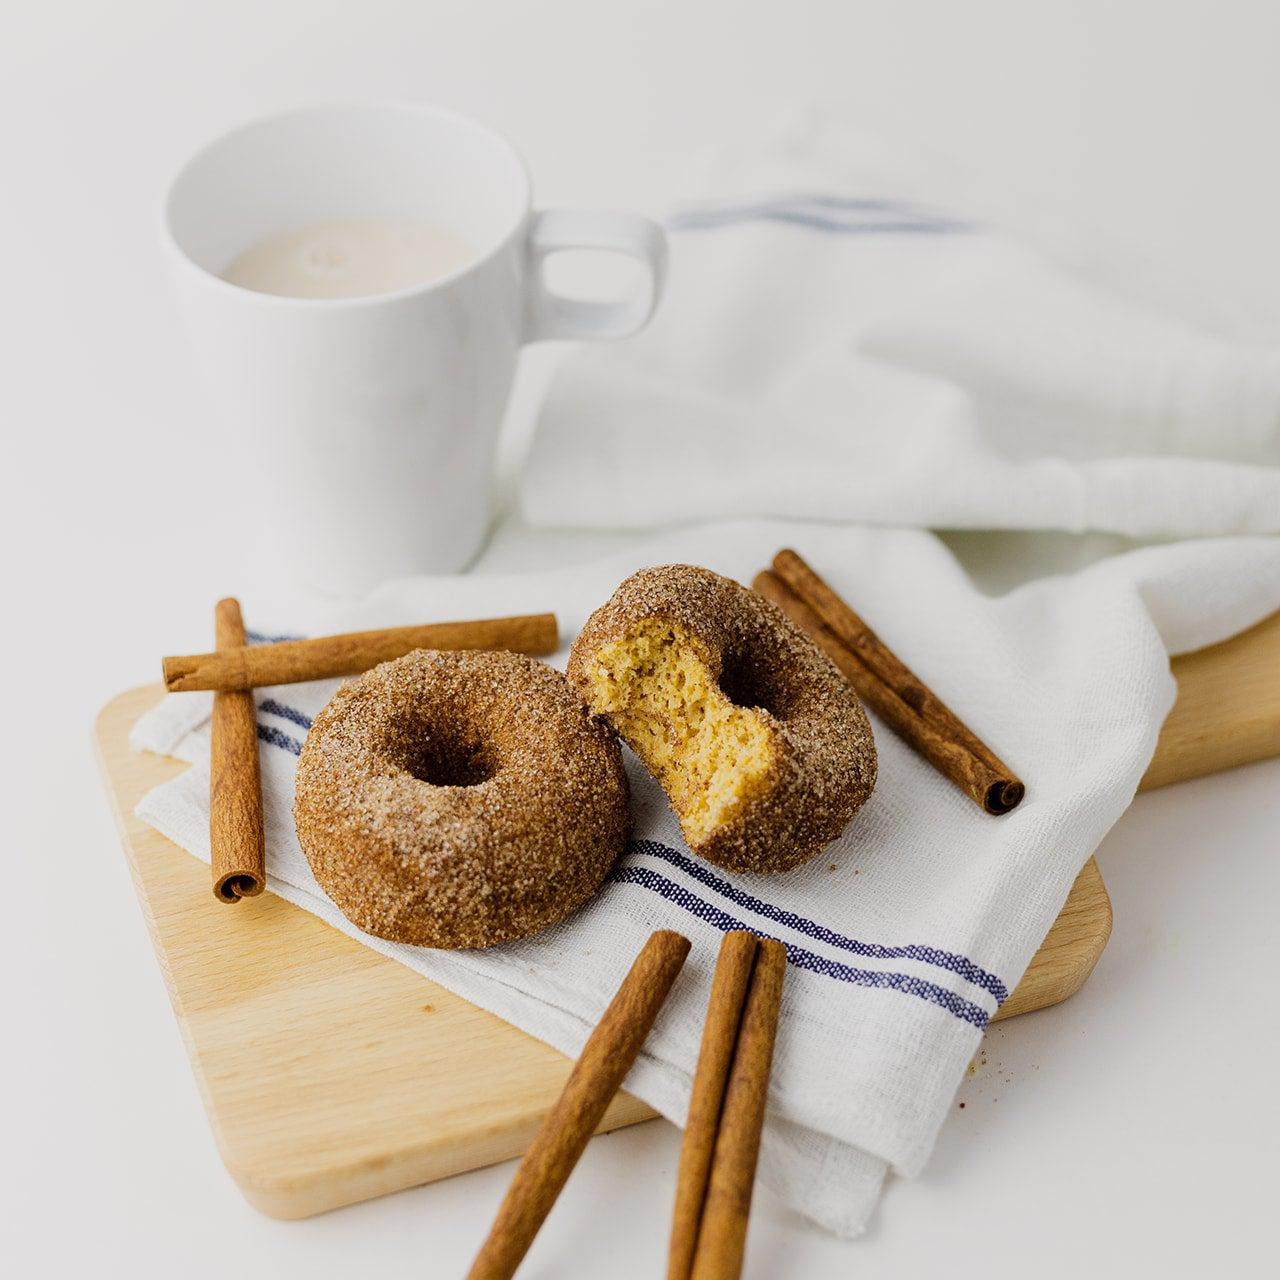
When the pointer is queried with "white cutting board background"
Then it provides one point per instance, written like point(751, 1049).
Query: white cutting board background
point(1123, 1127)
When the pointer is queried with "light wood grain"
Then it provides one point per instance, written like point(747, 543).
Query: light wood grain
point(332, 1074)
point(1228, 708)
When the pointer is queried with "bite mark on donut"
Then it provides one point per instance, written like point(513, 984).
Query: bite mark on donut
point(710, 755)
point(822, 765)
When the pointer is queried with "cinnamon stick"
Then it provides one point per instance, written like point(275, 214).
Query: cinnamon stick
point(596, 1076)
point(236, 843)
point(894, 692)
point(719, 1036)
point(722, 1236)
point(292, 661)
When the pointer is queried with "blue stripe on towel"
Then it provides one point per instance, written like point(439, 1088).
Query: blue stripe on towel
point(957, 964)
point(815, 222)
point(269, 734)
point(857, 204)
point(819, 211)
point(954, 1004)
point(274, 708)
point(853, 204)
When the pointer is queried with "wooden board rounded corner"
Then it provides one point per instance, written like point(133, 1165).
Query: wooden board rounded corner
point(1228, 708)
point(1071, 949)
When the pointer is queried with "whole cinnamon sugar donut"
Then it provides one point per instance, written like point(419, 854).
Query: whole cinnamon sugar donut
point(760, 743)
point(459, 799)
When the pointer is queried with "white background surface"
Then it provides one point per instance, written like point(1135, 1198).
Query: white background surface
point(1130, 1131)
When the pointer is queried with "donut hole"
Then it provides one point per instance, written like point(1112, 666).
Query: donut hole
point(447, 763)
point(743, 683)
point(711, 753)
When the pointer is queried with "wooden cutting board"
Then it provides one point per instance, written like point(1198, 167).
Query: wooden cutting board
point(332, 1074)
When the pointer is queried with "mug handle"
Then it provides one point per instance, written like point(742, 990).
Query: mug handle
point(549, 315)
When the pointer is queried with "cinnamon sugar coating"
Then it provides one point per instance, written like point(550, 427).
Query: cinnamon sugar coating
point(459, 799)
point(761, 744)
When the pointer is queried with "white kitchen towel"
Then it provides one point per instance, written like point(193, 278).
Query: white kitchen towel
point(906, 933)
point(838, 342)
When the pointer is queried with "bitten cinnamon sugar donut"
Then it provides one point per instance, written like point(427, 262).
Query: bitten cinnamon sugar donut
point(459, 799)
point(760, 743)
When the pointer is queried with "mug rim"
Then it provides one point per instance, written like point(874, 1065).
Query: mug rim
point(364, 299)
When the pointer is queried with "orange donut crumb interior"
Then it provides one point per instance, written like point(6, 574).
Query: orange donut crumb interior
point(709, 754)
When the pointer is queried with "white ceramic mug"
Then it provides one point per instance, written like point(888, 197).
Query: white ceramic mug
point(373, 421)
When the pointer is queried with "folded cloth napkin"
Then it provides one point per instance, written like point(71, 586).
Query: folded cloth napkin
point(837, 343)
point(904, 935)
